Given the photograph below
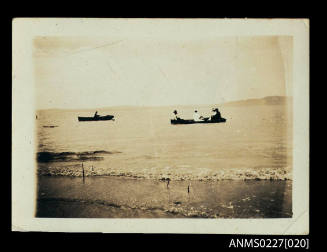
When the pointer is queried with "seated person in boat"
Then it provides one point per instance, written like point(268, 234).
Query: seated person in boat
point(197, 117)
point(216, 116)
point(96, 114)
point(176, 117)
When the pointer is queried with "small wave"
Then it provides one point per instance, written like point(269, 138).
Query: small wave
point(233, 174)
point(45, 157)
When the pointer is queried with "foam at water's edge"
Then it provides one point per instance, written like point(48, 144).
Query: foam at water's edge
point(223, 174)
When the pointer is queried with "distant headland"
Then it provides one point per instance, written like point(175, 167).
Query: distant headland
point(268, 100)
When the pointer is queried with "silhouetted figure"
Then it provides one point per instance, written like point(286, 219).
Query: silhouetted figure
point(96, 114)
point(188, 189)
point(216, 116)
point(175, 113)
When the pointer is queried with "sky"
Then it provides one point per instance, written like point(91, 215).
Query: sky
point(96, 72)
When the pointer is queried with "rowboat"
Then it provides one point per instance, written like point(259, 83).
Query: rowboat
point(190, 121)
point(98, 118)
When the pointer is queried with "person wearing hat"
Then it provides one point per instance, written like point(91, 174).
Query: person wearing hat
point(175, 113)
point(216, 116)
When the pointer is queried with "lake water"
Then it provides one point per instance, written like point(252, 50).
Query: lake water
point(254, 143)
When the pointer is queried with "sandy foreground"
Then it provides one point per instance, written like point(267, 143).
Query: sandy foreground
point(121, 197)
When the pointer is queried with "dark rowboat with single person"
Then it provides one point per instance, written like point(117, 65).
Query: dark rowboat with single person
point(190, 121)
point(97, 118)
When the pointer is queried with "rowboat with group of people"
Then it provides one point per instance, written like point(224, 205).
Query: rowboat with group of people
point(215, 118)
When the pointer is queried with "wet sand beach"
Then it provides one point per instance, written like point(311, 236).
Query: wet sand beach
point(121, 197)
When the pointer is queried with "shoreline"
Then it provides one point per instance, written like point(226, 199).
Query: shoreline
point(93, 169)
point(277, 174)
point(164, 178)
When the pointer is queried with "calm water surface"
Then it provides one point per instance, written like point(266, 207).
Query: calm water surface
point(141, 141)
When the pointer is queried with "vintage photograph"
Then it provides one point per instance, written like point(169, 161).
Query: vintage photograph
point(164, 128)
point(178, 125)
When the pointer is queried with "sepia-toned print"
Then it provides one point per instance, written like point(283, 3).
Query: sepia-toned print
point(160, 121)
point(164, 128)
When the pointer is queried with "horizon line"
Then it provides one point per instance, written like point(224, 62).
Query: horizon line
point(115, 106)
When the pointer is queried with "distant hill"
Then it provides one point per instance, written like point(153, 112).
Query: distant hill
point(268, 100)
